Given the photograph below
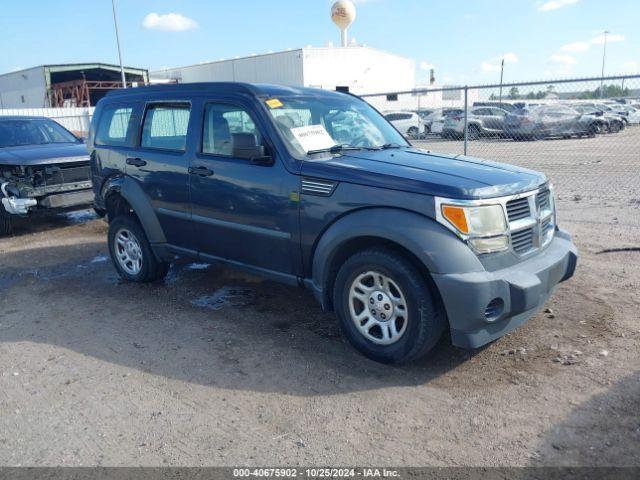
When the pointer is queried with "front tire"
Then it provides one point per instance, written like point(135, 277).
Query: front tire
point(386, 308)
point(131, 253)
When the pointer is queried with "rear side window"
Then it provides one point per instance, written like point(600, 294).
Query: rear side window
point(165, 127)
point(115, 126)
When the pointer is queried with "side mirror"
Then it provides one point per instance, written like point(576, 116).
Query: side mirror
point(245, 146)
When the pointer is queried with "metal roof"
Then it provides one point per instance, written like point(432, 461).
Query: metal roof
point(257, 89)
point(66, 67)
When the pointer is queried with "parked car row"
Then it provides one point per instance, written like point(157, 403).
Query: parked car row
point(519, 120)
point(410, 124)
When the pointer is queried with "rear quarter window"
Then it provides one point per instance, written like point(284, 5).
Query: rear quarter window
point(115, 126)
point(165, 127)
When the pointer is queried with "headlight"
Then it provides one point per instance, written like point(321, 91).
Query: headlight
point(484, 227)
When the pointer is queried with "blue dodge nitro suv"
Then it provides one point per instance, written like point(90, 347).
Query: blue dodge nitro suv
point(316, 188)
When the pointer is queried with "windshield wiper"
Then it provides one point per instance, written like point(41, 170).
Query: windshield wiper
point(334, 149)
point(386, 146)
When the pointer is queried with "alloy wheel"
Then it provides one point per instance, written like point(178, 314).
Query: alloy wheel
point(378, 308)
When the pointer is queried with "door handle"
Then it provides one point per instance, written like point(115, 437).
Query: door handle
point(136, 162)
point(201, 171)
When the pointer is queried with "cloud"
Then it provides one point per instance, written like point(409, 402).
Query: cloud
point(510, 58)
point(555, 5)
point(564, 64)
point(576, 47)
point(582, 46)
point(563, 59)
point(494, 64)
point(169, 22)
point(424, 65)
point(611, 38)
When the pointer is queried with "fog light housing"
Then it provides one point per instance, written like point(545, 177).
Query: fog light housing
point(490, 244)
point(494, 309)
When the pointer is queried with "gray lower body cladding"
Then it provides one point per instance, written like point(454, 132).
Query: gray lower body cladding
point(483, 306)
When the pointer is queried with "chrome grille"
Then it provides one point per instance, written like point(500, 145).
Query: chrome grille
point(518, 209)
point(542, 199)
point(531, 220)
point(547, 227)
point(322, 188)
point(522, 240)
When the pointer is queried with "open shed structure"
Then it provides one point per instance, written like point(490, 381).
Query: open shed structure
point(72, 85)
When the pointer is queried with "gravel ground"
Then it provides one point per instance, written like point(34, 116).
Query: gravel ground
point(212, 367)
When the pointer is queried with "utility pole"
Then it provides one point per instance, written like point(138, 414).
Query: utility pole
point(501, 76)
point(115, 23)
point(604, 56)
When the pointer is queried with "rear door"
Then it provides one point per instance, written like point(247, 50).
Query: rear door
point(497, 119)
point(243, 212)
point(160, 165)
point(113, 141)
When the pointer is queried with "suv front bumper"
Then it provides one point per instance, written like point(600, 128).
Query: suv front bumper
point(518, 290)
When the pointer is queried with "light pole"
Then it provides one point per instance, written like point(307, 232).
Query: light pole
point(115, 23)
point(501, 76)
point(604, 56)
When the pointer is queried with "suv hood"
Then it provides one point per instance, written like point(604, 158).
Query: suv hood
point(44, 154)
point(419, 171)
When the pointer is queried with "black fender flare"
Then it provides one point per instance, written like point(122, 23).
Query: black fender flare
point(132, 192)
point(437, 248)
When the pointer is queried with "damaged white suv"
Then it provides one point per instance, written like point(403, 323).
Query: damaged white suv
point(42, 166)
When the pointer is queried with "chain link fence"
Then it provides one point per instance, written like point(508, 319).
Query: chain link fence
point(583, 133)
point(74, 119)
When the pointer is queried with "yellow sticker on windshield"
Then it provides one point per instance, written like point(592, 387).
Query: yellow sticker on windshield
point(274, 103)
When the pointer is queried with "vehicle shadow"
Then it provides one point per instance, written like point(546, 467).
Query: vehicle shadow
point(604, 431)
point(48, 220)
point(256, 335)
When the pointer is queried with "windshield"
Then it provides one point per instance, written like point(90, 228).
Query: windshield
point(318, 124)
point(17, 132)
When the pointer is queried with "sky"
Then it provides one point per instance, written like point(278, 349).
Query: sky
point(464, 40)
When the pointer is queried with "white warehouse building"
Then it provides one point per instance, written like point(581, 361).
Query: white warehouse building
point(359, 69)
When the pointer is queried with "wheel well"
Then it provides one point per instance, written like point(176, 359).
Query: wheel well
point(117, 205)
point(355, 245)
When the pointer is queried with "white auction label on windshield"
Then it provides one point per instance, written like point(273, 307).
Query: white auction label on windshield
point(313, 137)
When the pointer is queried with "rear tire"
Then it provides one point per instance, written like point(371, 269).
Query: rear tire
point(131, 253)
point(6, 226)
point(386, 308)
point(413, 132)
point(473, 132)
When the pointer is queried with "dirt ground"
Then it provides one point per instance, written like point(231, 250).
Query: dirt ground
point(212, 367)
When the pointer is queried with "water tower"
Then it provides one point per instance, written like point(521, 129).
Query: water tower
point(343, 13)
